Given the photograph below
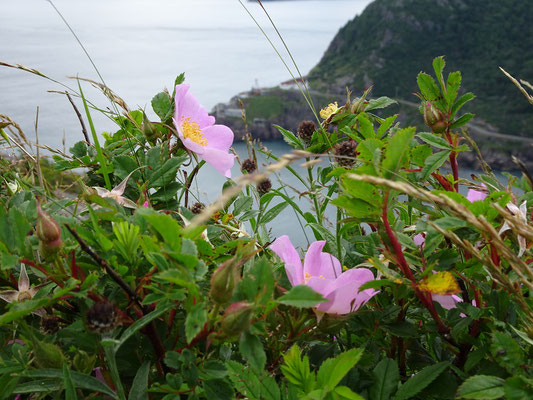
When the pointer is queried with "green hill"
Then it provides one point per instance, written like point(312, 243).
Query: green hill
point(392, 40)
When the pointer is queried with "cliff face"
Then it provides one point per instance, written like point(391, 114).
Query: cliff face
point(392, 40)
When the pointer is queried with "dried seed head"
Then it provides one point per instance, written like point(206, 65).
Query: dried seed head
point(306, 130)
point(264, 186)
point(346, 152)
point(248, 166)
point(101, 317)
point(50, 324)
point(197, 208)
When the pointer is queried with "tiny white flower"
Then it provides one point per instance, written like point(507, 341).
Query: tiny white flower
point(520, 212)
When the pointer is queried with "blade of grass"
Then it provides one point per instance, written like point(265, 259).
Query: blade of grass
point(99, 154)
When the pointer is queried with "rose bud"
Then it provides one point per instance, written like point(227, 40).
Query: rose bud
point(434, 118)
point(236, 318)
point(223, 281)
point(48, 233)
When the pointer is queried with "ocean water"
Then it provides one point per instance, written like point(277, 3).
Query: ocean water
point(140, 46)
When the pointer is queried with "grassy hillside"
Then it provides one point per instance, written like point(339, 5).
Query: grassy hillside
point(392, 40)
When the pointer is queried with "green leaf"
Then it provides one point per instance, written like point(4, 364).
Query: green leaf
point(164, 225)
point(218, 389)
point(463, 120)
point(465, 98)
point(161, 105)
point(167, 192)
point(386, 124)
point(139, 388)
point(420, 153)
point(195, 321)
point(434, 140)
point(438, 67)
point(420, 380)
point(433, 162)
point(296, 370)
point(452, 87)
point(167, 173)
point(70, 389)
point(273, 212)
point(269, 388)
point(346, 393)
point(367, 149)
point(244, 379)
point(386, 379)
point(301, 296)
point(290, 138)
point(516, 389)
point(333, 370)
point(481, 387)
point(362, 190)
point(38, 386)
point(251, 349)
point(380, 102)
point(213, 369)
point(356, 207)
point(429, 89)
point(141, 323)
point(397, 152)
point(506, 351)
point(365, 127)
point(243, 203)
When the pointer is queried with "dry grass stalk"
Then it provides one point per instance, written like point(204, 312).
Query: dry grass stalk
point(241, 182)
point(20, 133)
point(519, 86)
point(107, 92)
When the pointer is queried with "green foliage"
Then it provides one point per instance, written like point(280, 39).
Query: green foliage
point(145, 299)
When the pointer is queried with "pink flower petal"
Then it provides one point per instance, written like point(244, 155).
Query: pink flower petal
point(419, 240)
point(476, 195)
point(219, 137)
point(344, 296)
point(283, 247)
point(220, 160)
point(187, 106)
point(321, 264)
point(446, 301)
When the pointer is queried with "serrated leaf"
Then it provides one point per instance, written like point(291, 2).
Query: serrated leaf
point(161, 105)
point(70, 388)
point(356, 207)
point(386, 124)
point(218, 389)
point(386, 379)
point(452, 87)
point(367, 148)
point(420, 153)
point(333, 370)
point(465, 98)
point(463, 120)
point(345, 392)
point(252, 349)
point(362, 190)
point(195, 321)
point(429, 89)
point(397, 152)
point(481, 387)
point(301, 296)
point(434, 162)
point(166, 173)
point(438, 67)
point(244, 380)
point(273, 212)
point(139, 388)
point(434, 140)
point(380, 102)
point(290, 138)
point(420, 380)
point(365, 126)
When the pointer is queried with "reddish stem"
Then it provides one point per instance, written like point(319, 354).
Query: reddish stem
point(453, 160)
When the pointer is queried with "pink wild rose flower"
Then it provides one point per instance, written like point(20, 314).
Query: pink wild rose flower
point(476, 195)
point(323, 273)
point(198, 132)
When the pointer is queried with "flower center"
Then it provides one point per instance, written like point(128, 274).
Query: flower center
point(191, 130)
point(307, 276)
point(25, 295)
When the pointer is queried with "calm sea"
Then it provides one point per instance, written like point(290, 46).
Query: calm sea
point(140, 46)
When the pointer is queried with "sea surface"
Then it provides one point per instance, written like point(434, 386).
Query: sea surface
point(140, 46)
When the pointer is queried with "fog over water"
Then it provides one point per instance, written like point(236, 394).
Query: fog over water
point(140, 46)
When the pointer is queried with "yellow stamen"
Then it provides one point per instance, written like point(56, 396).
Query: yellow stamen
point(191, 130)
point(307, 276)
point(331, 109)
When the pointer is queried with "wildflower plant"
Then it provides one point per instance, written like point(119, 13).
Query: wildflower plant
point(411, 289)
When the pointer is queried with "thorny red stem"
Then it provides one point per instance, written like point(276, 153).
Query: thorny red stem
point(402, 263)
point(453, 160)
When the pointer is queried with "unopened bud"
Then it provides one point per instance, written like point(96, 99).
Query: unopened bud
point(149, 130)
point(223, 281)
point(358, 105)
point(236, 318)
point(48, 233)
point(434, 118)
